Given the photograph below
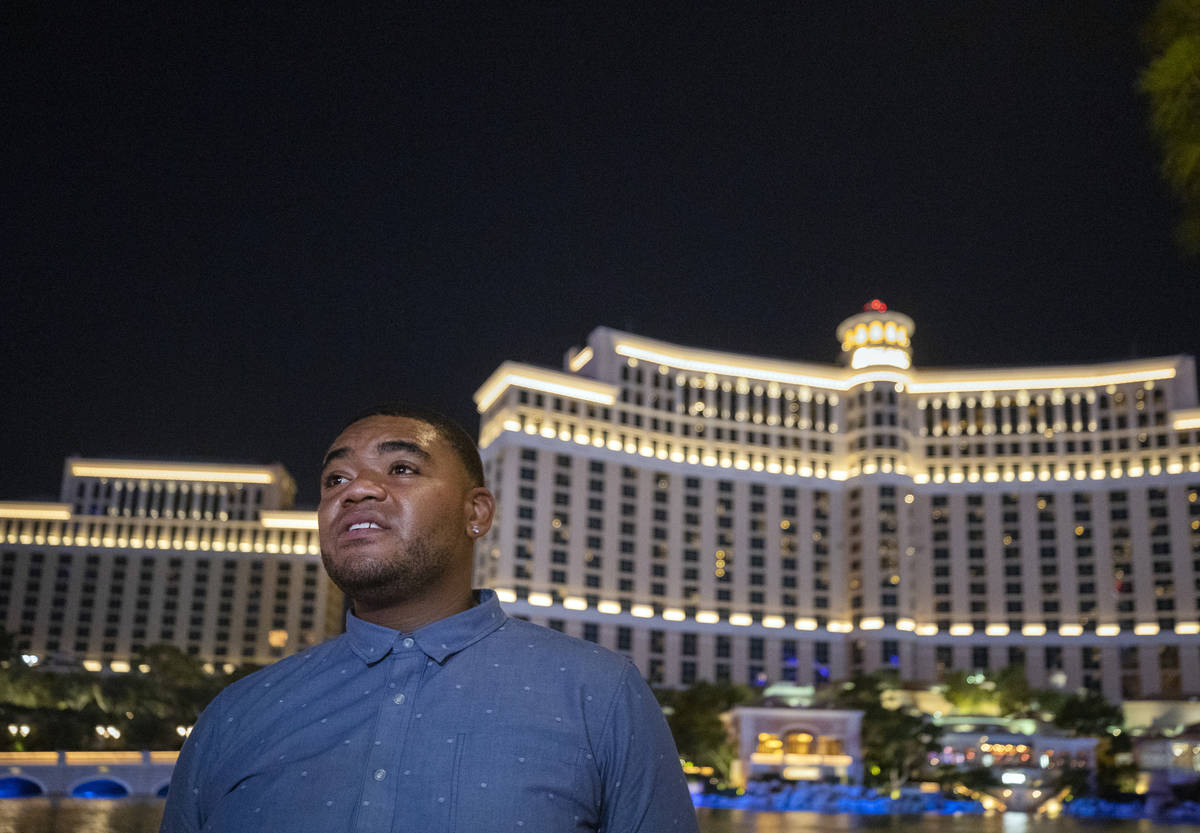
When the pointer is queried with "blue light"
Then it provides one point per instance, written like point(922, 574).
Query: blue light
point(99, 788)
point(18, 788)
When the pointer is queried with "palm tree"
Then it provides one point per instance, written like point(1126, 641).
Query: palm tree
point(1172, 82)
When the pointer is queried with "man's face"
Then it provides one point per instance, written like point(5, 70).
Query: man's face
point(397, 511)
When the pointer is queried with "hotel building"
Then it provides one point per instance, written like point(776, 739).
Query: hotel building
point(204, 557)
point(724, 516)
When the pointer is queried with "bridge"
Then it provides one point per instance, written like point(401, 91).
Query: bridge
point(86, 774)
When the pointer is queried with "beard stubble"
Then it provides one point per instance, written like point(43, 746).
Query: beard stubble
point(402, 577)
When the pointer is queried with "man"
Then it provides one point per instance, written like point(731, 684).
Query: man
point(434, 711)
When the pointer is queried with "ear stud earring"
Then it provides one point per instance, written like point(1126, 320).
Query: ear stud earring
point(474, 529)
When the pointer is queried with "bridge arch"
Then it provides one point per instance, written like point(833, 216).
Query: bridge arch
point(104, 786)
point(20, 786)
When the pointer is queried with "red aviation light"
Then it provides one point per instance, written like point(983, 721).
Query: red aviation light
point(876, 305)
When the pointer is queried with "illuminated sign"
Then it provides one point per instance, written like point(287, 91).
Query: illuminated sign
point(35, 511)
point(580, 360)
point(279, 519)
point(197, 473)
point(514, 374)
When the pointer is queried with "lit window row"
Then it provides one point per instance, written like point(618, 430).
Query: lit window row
point(247, 537)
point(1053, 472)
point(775, 622)
point(674, 451)
point(713, 457)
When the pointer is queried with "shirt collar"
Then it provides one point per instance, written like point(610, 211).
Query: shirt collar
point(437, 640)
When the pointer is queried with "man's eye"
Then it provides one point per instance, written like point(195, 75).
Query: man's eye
point(329, 481)
point(402, 468)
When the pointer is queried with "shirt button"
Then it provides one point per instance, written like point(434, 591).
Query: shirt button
point(380, 774)
point(408, 643)
point(398, 699)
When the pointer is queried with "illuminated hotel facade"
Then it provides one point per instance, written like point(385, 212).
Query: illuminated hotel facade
point(722, 516)
point(204, 557)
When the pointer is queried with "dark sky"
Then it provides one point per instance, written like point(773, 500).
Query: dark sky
point(226, 229)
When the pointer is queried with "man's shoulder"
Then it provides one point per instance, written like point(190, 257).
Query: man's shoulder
point(282, 672)
point(577, 655)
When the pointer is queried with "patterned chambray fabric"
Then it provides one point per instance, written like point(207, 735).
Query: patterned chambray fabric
point(475, 723)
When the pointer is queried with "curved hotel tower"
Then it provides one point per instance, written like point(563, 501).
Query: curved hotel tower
point(723, 516)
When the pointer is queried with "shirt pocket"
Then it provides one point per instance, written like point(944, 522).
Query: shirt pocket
point(522, 785)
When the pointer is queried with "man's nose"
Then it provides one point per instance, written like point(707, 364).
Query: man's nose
point(364, 486)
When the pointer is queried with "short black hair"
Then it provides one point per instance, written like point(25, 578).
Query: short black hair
point(449, 430)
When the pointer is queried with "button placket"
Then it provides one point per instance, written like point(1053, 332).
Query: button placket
point(404, 668)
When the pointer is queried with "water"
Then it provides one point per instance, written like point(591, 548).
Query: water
point(80, 815)
point(128, 815)
point(748, 821)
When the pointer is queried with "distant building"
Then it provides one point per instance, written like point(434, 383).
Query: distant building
point(1166, 740)
point(796, 744)
point(1166, 716)
point(723, 516)
point(1169, 760)
point(1026, 756)
point(205, 557)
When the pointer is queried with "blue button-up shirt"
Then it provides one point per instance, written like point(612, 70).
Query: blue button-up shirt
point(474, 723)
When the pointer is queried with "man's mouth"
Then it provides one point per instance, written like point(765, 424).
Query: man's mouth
point(364, 525)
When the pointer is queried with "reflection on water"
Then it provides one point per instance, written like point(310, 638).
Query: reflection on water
point(80, 815)
point(746, 821)
point(130, 815)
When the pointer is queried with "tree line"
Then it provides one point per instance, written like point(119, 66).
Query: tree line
point(146, 708)
point(897, 738)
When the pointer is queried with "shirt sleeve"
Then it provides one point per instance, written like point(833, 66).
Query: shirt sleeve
point(182, 813)
point(644, 788)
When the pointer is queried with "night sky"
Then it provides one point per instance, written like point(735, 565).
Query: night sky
point(223, 230)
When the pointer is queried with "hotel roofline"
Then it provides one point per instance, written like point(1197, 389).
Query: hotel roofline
point(917, 380)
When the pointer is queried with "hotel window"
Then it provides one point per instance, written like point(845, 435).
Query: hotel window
point(944, 657)
point(624, 639)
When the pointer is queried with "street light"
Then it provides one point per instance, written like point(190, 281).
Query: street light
point(19, 730)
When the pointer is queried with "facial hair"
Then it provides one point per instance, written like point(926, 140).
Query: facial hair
point(401, 578)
